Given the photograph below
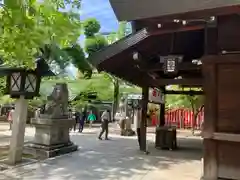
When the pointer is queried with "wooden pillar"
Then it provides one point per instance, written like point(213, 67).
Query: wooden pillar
point(143, 123)
point(210, 116)
point(162, 109)
point(221, 125)
point(221, 129)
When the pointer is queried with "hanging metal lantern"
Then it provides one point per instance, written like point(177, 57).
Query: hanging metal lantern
point(171, 64)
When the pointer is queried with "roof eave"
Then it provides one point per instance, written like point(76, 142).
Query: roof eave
point(143, 9)
point(118, 47)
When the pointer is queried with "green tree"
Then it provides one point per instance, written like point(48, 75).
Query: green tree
point(94, 41)
point(60, 58)
point(94, 44)
point(2, 85)
point(91, 27)
point(78, 59)
point(27, 26)
point(113, 37)
point(56, 57)
point(193, 102)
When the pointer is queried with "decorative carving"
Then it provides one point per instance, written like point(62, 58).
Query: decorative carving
point(57, 105)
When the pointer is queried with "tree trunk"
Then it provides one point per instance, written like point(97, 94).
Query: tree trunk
point(115, 96)
point(194, 118)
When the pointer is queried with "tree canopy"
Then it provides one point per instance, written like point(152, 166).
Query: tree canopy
point(91, 27)
point(77, 56)
point(26, 26)
point(193, 102)
point(94, 42)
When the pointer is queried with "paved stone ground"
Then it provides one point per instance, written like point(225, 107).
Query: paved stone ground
point(118, 159)
point(5, 134)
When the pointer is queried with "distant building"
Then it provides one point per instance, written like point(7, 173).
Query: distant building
point(112, 39)
point(128, 29)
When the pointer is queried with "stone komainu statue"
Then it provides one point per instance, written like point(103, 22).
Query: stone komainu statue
point(57, 105)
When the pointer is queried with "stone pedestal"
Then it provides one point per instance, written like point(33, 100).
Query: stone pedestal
point(51, 138)
point(126, 130)
point(18, 131)
point(129, 124)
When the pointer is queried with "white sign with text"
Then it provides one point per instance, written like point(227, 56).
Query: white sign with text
point(156, 96)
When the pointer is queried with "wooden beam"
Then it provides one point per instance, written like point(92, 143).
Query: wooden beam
point(177, 29)
point(190, 82)
point(189, 86)
point(185, 66)
point(230, 137)
point(177, 26)
point(206, 13)
point(184, 92)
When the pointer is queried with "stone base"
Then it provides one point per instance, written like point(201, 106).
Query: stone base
point(43, 152)
point(51, 138)
point(127, 132)
point(5, 164)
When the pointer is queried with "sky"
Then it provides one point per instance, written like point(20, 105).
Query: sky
point(102, 11)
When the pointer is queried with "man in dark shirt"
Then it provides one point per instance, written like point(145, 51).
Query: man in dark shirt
point(77, 120)
point(82, 120)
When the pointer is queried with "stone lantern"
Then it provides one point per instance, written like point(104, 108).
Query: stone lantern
point(22, 84)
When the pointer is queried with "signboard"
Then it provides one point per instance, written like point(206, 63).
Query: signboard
point(133, 100)
point(134, 96)
point(156, 96)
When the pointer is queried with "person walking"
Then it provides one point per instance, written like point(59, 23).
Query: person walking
point(104, 127)
point(70, 116)
point(91, 118)
point(37, 113)
point(10, 117)
point(82, 120)
point(77, 120)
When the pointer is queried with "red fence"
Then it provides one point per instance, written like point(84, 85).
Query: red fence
point(183, 118)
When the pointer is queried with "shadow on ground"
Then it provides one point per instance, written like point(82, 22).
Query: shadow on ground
point(118, 158)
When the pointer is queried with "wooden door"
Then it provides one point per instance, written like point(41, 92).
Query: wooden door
point(222, 117)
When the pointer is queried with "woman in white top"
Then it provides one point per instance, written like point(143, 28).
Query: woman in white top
point(105, 120)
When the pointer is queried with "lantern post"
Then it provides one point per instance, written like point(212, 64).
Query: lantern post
point(22, 84)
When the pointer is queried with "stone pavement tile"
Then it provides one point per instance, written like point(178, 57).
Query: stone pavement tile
point(118, 159)
point(93, 167)
point(182, 171)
